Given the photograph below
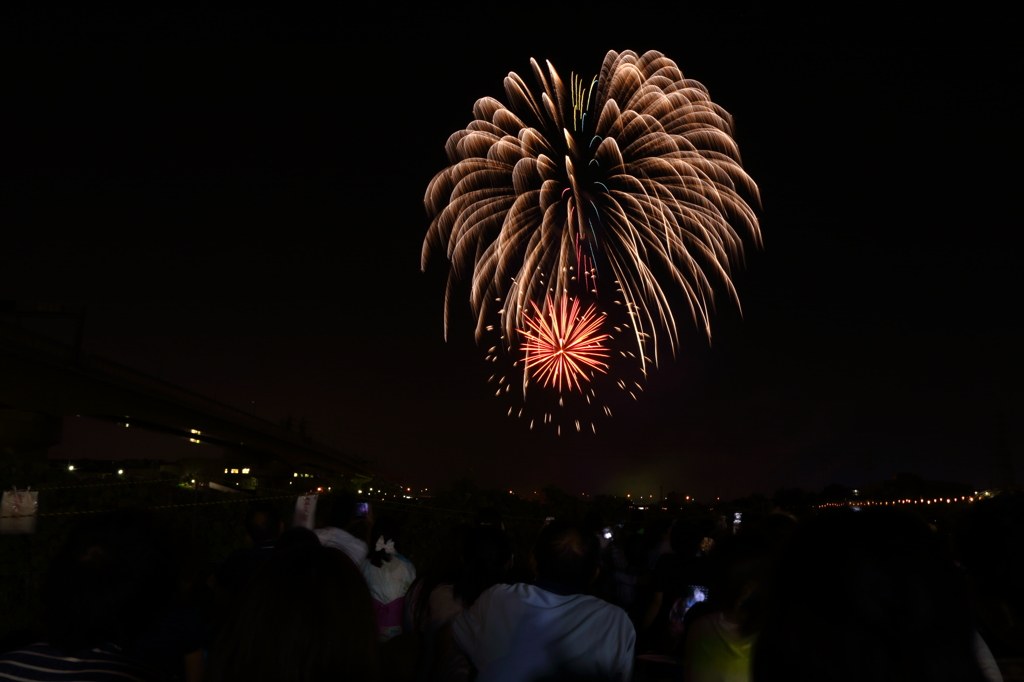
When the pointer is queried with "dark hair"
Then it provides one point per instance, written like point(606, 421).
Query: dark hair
point(262, 521)
point(343, 510)
point(686, 537)
point(114, 573)
point(566, 553)
point(867, 595)
point(740, 568)
point(778, 530)
point(306, 616)
point(488, 516)
point(300, 536)
point(385, 528)
point(486, 552)
point(446, 569)
point(635, 551)
point(656, 529)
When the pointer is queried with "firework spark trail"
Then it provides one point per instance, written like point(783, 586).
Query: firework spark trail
point(561, 345)
point(639, 172)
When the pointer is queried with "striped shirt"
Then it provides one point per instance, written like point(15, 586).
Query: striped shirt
point(42, 663)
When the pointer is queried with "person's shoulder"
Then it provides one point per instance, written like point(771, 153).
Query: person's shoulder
point(40, 661)
point(503, 589)
point(338, 537)
point(585, 604)
point(720, 624)
point(599, 604)
point(501, 593)
point(705, 623)
point(444, 590)
point(666, 562)
point(39, 649)
point(608, 613)
point(671, 559)
point(323, 534)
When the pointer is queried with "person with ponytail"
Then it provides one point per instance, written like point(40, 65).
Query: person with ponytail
point(389, 575)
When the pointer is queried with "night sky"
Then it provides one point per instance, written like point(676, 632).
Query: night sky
point(238, 200)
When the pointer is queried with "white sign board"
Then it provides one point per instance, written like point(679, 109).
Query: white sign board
point(18, 511)
point(305, 512)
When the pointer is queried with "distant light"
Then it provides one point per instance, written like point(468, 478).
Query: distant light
point(198, 433)
point(120, 471)
point(193, 480)
point(409, 489)
point(627, 494)
point(234, 471)
point(225, 471)
point(361, 492)
point(71, 467)
point(295, 475)
point(126, 425)
point(194, 440)
point(245, 471)
point(687, 497)
point(320, 490)
point(509, 492)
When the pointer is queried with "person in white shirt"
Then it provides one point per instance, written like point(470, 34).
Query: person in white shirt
point(337, 533)
point(389, 575)
point(550, 629)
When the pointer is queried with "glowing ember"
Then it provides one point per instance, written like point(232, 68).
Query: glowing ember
point(561, 345)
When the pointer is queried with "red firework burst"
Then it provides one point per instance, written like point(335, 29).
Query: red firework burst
point(561, 344)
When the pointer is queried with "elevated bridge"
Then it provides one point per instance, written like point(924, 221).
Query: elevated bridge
point(43, 380)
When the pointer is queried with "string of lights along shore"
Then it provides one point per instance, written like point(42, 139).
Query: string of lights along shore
point(575, 208)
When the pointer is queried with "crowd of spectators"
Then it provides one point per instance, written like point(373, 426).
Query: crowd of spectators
point(878, 594)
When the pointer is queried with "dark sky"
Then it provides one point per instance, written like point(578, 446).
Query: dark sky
point(238, 201)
